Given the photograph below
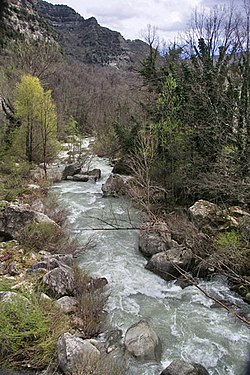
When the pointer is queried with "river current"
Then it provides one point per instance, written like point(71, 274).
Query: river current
point(188, 327)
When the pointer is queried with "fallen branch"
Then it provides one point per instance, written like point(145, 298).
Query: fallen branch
point(194, 283)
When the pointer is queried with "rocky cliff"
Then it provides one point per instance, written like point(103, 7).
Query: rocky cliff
point(82, 39)
point(19, 18)
point(87, 41)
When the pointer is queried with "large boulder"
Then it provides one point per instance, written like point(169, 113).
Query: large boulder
point(73, 354)
point(71, 170)
point(151, 242)
point(114, 186)
point(209, 217)
point(180, 367)
point(142, 342)
point(59, 282)
point(15, 217)
point(167, 263)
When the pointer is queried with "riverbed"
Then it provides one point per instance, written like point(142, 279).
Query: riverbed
point(184, 320)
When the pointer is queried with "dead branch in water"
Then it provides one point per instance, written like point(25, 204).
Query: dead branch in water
point(194, 283)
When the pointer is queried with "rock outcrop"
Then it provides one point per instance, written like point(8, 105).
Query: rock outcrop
point(114, 186)
point(74, 353)
point(142, 342)
point(210, 217)
point(14, 218)
point(71, 170)
point(180, 367)
point(166, 264)
point(87, 41)
point(152, 242)
point(59, 282)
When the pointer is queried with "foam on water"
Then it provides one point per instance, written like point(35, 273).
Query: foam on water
point(188, 327)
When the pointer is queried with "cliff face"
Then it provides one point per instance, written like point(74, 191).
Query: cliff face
point(87, 41)
point(20, 18)
point(82, 39)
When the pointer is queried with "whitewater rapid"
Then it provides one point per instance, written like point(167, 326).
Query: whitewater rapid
point(184, 320)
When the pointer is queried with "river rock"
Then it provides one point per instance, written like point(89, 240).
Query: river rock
point(47, 265)
point(97, 283)
point(71, 170)
point(59, 282)
point(209, 217)
point(62, 258)
point(206, 267)
point(15, 217)
point(165, 263)
point(80, 177)
point(38, 206)
point(142, 342)
point(114, 186)
point(95, 174)
point(151, 243)
point(180, 367)
point(67, 304)
point(73, 353)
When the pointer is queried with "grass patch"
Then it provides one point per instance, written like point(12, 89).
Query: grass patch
point(6, 284)
point(29, 332)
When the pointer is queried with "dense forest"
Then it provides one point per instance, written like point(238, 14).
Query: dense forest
point(182, 118)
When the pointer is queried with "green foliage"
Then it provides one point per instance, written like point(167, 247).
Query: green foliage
point(36, 137)
point(126, 136)
point(14, 177)
point(29, 331)
point(229, 240)
point(233, 250)
point(72, 128)
point(5, 285)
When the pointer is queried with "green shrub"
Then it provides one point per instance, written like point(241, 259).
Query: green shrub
point(232, 250)
point(49, 237)
point(229, 240)
point(91, 303)
point(29, 332)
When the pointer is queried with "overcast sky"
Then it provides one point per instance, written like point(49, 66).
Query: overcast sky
point(131, 17)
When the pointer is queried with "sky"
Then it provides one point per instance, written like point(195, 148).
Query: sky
point(131, 17)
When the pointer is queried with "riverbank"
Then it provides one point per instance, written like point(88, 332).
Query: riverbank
point(183, 319)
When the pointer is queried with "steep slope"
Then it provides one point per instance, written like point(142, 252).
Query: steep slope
point(87, 41)
point(19, 18)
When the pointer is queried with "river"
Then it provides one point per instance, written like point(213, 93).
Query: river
point(183, 319)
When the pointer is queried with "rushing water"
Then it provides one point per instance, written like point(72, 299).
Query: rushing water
point(183, 319)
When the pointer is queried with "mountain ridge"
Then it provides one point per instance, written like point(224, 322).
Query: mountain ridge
point(89, 42)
